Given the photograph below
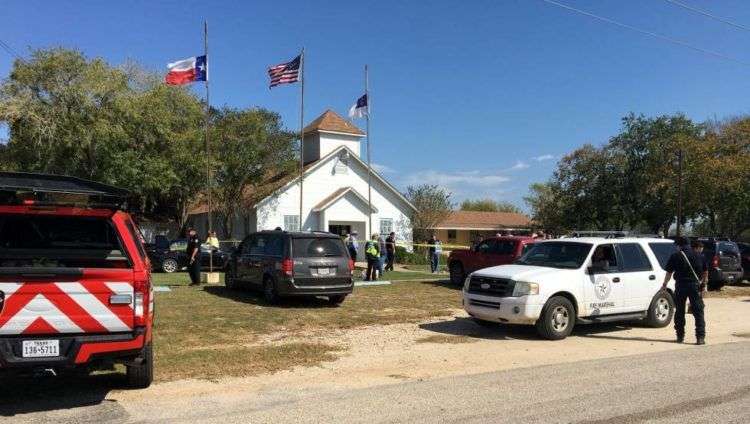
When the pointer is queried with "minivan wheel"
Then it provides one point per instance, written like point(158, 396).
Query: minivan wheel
point(457, 274)
point(557, 319)
point(142, 375)
point(169, 266)
point(336, 300)
point(661, 311)
point(270, 295)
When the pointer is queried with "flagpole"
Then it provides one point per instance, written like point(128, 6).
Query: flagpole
point(369, 167)
point(301, 132)
point(208, 147)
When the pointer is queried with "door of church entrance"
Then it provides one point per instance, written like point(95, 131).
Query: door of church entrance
point(341, 230)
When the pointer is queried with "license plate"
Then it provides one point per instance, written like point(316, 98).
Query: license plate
point(323, 271)
point(41, 348)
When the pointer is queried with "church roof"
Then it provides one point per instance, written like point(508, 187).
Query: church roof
point(331, 121)
point(336, 195)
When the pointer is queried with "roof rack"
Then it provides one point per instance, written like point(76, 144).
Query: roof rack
point(59, 190)
point(610, 234)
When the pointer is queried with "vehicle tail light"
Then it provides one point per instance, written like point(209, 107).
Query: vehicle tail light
point(142, 302)
point(351, 267)
point(715, 261)
point(287, 267)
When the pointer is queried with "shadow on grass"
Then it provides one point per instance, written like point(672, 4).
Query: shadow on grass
point(461, 326)
point(252, 297)
point(23, 394)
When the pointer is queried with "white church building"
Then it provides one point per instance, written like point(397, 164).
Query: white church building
point(335, 189)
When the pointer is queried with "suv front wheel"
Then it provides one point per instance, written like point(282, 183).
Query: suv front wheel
point(557, 319)
point(661, 310)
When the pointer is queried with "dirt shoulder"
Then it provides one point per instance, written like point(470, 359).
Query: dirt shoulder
point(441, 347)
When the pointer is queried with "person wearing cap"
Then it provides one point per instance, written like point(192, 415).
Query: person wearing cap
point(194, 256)
point(382, 245)
point(690, 272)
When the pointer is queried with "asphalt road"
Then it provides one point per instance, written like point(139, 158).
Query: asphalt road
point(699, 384)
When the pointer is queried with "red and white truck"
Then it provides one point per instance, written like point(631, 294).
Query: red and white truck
point(75, 282)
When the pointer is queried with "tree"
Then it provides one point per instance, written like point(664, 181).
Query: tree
point(250, 144)
point(488, 205)
point(71, 115)
point(433, 206)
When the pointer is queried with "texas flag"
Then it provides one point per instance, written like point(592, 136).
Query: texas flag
point(187, 70)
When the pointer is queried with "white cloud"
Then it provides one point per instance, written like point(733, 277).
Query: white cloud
point(382, 169)
point(462, 184)
point(542, 158)
point(519, 165)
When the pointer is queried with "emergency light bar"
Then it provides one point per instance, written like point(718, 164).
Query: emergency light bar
point(21, 188)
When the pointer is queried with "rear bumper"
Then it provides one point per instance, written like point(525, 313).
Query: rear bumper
point(719, 276)
point(315, 287)
point(74, 350)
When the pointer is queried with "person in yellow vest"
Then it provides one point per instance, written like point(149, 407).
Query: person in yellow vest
point(372, 253)
point(212, 240)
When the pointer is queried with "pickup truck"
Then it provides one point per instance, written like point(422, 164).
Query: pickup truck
point(490, 252)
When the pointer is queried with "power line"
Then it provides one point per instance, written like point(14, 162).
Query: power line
point(5, 46)
point(709, 15)
point(652, 34)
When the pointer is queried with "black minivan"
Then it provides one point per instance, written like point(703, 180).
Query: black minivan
point(284, 263)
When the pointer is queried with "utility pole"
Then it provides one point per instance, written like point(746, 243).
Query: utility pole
point(208, 150)
point(679, 192)
point(369, 167)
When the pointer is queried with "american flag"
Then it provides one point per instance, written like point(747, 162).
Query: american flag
point(285, 73)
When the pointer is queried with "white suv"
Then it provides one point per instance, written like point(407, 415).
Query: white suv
point(559, 283)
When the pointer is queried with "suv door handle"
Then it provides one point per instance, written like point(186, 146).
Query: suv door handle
point(616, 280)
point(652, 277)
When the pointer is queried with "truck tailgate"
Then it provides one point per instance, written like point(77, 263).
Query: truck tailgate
point(93, 302)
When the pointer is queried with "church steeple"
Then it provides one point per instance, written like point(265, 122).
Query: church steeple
point(327, 132)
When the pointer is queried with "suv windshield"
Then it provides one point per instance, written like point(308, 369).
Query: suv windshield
point(565, 255)
point(313, 247)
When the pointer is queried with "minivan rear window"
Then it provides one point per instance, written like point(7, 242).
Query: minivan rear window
point(59, 241)
point(313, 247)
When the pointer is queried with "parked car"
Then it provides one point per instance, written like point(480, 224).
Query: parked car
point(560, 283)
point(171, 256)
point(724, 262)
point(75, 281)
point(282, 263)
point(745, 254)
point(490, 252)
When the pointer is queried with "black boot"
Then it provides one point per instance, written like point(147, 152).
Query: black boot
point(680, 338)
point(700, 341)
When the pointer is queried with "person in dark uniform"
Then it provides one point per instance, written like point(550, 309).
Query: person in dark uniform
point(390, 248)
point(691, 274)
point(194, 257)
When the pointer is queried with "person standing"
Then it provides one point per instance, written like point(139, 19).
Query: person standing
point(212, 240)
point(194, 257)
point(382, 245)
point(373, 257)
point(351, 244)
point(691, 274)
point(390, 249)
point(434, 253)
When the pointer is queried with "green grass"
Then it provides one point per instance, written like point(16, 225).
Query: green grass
point(210, 331)
point(175, 278)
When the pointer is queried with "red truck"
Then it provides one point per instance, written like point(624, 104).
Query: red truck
point(75, 281)
point(490, 252)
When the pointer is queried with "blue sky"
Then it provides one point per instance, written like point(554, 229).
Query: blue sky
point(479, 96)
